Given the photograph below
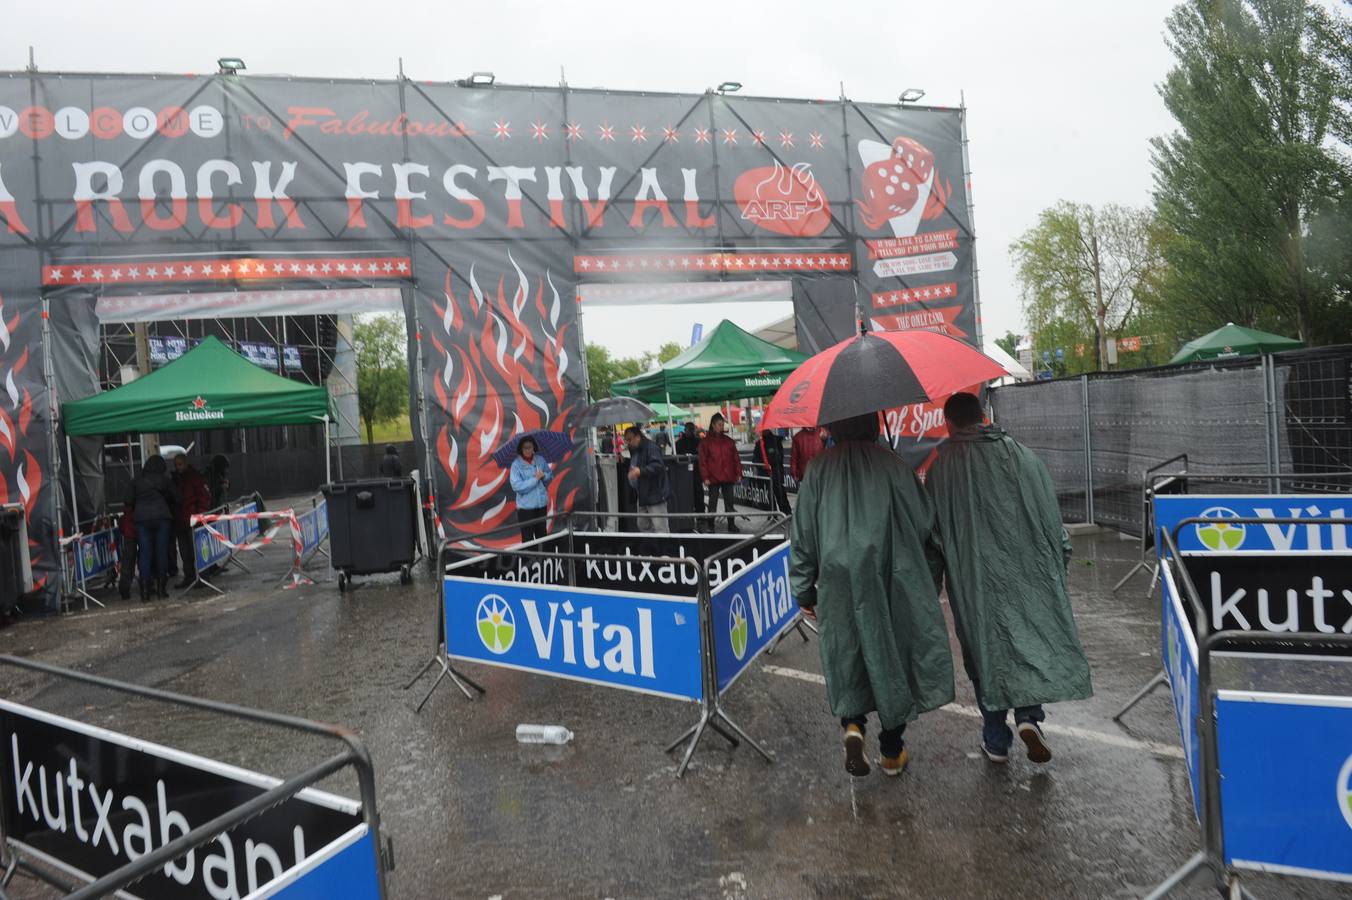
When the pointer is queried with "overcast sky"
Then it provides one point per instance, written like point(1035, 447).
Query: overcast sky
point(1061, 94)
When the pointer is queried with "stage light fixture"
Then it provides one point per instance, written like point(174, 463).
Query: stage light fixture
point(230, 65)
point(481, 79)
point(910, 95)
point(729, 87)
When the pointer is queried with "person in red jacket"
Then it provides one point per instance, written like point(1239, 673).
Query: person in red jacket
point(126, 556)
point(720, 465)
point(807, 443)
point(195, 499)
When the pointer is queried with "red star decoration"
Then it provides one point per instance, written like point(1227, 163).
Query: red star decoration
point(199, 403)
point(502, 130)
point(701, 135)
point(574, 131)
point(540, 131)
point(816, 139)
point(729, 135)
point(759, 137)
point(607, 132)
point(669, 135)
point(786, 139)
point(640, 134)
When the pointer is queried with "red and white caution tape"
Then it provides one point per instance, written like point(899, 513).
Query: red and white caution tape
point(296, 576)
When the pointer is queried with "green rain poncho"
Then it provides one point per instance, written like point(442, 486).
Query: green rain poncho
point(864, 555)
point(1006, 554)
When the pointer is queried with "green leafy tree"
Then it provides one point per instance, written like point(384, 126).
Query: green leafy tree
point(381, 348)
point(603, 370)
point(1010, 343)
point(1250, 190)
point(1086, 269)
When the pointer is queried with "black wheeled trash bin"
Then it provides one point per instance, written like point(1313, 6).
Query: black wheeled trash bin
point(372, 527)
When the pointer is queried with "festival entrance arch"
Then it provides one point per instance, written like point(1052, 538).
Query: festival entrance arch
point(484, 206)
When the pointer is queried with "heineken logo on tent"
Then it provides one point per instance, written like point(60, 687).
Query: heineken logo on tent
point(763, 378)
point(198, 412)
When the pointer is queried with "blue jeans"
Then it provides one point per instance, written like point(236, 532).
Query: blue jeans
point(152, 544)
point(995, 731)
point(889, 739)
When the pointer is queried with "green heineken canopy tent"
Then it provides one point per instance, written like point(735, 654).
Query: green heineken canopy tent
point(729, 364)
point(1233, 340)
point(669, 410)
point(210, 386)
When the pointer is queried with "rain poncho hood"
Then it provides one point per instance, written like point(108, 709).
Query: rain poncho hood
point(864, 555)
point(1006, 553)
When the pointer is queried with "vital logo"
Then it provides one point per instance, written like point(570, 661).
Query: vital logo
point(204, 548)
point(87, 555)
point(737, 626)
point(1220, 536)
point(199, 412)
point(496, 624)
point(1345, 791)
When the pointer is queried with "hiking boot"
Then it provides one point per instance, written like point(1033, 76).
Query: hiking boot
point(895, 765)
point(994, 756)
point(855, 763)
point(1031, 733)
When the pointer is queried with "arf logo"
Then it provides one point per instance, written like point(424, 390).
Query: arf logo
point(1345, 791)
point(496, 624)
point(783, 200)
point(737, 626)
point(1220, 535)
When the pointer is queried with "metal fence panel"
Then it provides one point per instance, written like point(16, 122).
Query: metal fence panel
point(1048, 418)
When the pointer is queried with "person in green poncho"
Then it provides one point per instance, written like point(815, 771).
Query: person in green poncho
point(866, 566)
point(1007, 553)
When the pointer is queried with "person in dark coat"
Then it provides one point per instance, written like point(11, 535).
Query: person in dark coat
point(770, 449)
point(688, 445)
point(127, 556)
point(194, 498)
point(154, 497)
point(720, 468)
point(648, 475)
point(390, 464)
point(218, 480)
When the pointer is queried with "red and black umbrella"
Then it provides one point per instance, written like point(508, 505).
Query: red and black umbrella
point(877, 371)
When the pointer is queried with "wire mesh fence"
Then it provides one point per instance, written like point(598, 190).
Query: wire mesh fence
point(1289, 413)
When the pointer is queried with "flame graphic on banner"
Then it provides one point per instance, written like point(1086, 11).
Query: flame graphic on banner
point(21, 475)
point(500, 371)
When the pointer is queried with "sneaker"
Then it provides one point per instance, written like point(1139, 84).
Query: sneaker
point(895, 765)
point(994, 756)
point(1038, 751)
point(855, 763)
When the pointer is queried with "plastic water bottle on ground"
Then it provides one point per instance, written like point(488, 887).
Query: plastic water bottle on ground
point(543, 734)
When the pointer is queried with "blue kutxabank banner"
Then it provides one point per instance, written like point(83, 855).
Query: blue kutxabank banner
point(1179, 652)
point(1286, 782)
point(90, 800)
point(637, 642)
point(749, 611)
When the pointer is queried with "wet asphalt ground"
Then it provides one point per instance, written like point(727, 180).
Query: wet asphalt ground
point(473, 814)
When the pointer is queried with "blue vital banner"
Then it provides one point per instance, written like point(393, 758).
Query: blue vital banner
point(1179, 652)
point(210, 550)
point(1272, 537)
point(96, 553)
point(314, 527)
point(242, 530)
point(749, 612)
point(637, 642)
point(1286, 782)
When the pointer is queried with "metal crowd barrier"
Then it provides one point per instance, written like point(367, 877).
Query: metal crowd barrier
point(710, 688)
point(354, 755)
point(1154, 481)
point(1209, 782)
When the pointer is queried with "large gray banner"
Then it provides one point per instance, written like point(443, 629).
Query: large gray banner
point(486, 206)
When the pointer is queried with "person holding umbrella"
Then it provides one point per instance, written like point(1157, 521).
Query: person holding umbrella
point(530, 475)
point(648, 476)
point(866, 565)
point(1007, 553)
point(865, 560)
